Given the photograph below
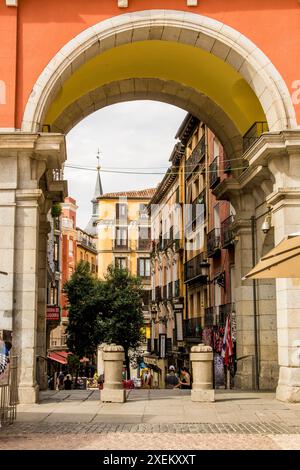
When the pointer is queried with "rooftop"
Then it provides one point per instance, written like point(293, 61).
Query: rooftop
point(139, 194)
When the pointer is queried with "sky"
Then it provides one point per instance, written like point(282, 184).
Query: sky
point(137, 135)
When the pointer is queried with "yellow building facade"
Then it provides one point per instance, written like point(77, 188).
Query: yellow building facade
point(124, 237)
point(87, 250)
point(168, 293)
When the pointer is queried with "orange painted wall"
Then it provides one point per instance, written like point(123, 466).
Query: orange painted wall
point(44, 27)
point(8, 29)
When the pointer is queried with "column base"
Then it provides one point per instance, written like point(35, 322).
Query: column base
point(113, 396)
point(288, 388)
point(28, 394)
point(203, 395)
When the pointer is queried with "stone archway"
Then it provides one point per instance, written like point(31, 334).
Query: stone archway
point(32, 154)
point(197, 31)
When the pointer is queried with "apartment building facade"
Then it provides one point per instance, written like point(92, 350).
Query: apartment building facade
point(124, 238)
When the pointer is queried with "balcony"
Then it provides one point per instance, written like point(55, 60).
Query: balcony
point(121, 246)
point(210, 316)
point(213, 243)
point(170, 290)
point(58, 343)
point(227, 232)
point(224, 311)
point(193, 329)
point(254, 133)
point(197, 155)
point(58, 175)
point(196, 269)
point(214, 178)
point(86, 243)
point(157, 294)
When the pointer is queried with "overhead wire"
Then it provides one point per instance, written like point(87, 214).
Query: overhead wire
point(124, 171)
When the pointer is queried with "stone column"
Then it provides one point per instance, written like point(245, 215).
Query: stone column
point(26, 289)
point(24, 161)
point(44, 227)
point(201, 357)
point(113, 390)
point(244, 205)
point(8, 184)
point(286, 220)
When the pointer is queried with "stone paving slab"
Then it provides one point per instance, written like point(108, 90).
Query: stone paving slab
point(272, 428)
point(155, 407)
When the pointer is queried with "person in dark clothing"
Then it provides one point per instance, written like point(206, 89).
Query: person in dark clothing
point(171, 378)
point(68, 383)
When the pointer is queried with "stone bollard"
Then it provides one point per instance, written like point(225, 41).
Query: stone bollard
point(202, 363)
point(113, 391)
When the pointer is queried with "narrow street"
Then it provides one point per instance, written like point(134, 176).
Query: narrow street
point(154, 419)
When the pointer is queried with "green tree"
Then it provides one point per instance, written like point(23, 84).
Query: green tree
point(107, 311)
point(82, 291)
point(122, 319)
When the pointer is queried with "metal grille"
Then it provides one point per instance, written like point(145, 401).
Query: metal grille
point(9, 394)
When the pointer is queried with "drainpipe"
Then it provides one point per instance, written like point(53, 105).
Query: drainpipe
point(253, 231)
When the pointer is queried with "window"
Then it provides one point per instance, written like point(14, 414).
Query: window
point(71, 252)
point(146, 297)
point(121, 263)
point(121, 211)
point(121, 236)
point(143, 211)
point(143, 267)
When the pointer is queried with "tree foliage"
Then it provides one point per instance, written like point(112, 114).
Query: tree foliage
point(82, 330)
point(107, 311)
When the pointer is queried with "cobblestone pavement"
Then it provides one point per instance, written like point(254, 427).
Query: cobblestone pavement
point(154, 419)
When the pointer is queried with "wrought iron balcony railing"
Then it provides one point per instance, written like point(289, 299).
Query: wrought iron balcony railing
point(197, 155)
point(253, 134)
point(227, 232)
point(214, 178)
point(213, 242)
point(196, 268)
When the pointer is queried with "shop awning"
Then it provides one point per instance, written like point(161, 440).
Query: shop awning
point(62, 357)
point(57, 357)
point(283, 261)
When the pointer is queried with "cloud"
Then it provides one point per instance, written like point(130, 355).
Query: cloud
point(137, 134)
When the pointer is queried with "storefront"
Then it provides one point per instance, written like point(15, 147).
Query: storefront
point(157, 368)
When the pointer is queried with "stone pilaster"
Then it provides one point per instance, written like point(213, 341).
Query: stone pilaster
point(26, 290)
point(42, 303)
point(286, 220)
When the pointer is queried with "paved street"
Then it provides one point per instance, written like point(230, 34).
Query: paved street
point(157, 419)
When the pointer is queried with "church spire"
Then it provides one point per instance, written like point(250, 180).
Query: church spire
point(91, 227)
point(98, 188)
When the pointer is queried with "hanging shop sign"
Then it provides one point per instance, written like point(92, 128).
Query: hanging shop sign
point(53, 313)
